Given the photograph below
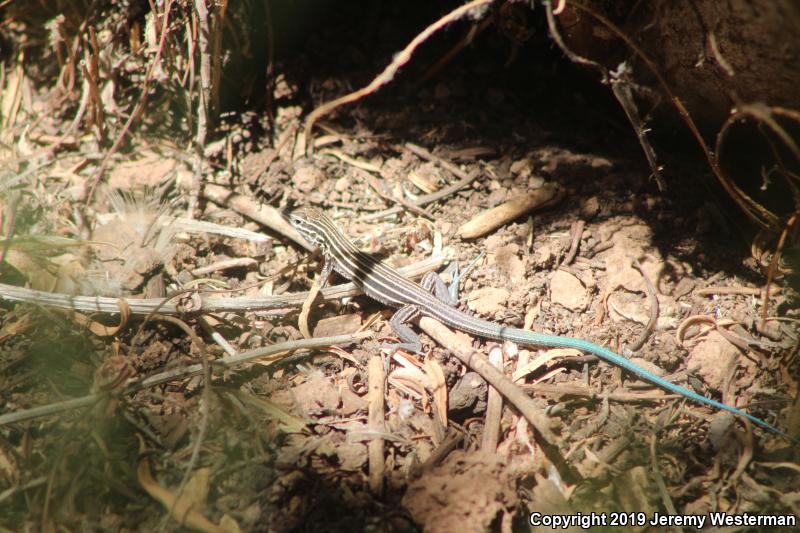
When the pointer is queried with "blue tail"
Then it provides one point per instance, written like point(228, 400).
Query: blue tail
point(528, 337)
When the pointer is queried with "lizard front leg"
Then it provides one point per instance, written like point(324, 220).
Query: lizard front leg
point(325, 272)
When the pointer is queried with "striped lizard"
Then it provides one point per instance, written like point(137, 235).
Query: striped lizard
point(384, 284)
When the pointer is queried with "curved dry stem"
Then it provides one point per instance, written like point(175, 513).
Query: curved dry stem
point(765, 115)
point(773, 265)
point(766, 219)
point(400, 59)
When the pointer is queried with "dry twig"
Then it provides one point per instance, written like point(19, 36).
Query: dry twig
point(91, 184)
point(274, 352)
point(203, 303)
point(474, 8)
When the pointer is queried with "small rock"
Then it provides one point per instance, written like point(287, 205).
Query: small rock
point(317, 395)
point(497, 197)
point(626, 305)
point(342, 184)
point(488, 301)
point(771, 329)
point(352, 455)
point(711, 359)
point(590, 208)
point(684, 286)
point(492, 243)
point(522, 168)
point(306, 178)
point(720, 424)
point(467, 392)
point(600, 162)
point(507, 260)
point(568, 291)
point(337, 325)
point(543, 256)
point(535, 182)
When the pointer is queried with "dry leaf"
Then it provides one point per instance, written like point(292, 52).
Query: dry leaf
point(438, 387)
point(182, 508)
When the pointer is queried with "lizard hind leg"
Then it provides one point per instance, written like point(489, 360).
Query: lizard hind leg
point(409, 340)
point(434, 284)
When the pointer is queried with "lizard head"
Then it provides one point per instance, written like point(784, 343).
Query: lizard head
point(311, 224)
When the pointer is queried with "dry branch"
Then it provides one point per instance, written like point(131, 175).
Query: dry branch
point(202, 302)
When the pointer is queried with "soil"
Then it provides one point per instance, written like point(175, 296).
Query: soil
point(284, 445)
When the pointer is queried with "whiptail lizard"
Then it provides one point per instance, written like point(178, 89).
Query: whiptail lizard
point(382, 283)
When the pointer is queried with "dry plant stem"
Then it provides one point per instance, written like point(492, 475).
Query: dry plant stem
point(494, 407)
point(198, 226)
point(575, 58)
point(216, 73)
point(81, 112)
point(359, 164)
point(32, 484)
point(400, 59)
point(562, 5)
point(263, 214)
point(423, 200)
point(238, 262)
point(13, 94)
point(763, 114)
point(748, 291)
point(622, 91)
point(464, 180)
point(92, 91)
point(720, 325)
point(180, 509)
point(58, 465)
point(447, 165)
point(203, 38)
point(577, 233)
point(773, 266)
point(208, 304)
point(305, 309)
point(476, 30)
point(275, 351)
point(206, 403)
point(747, 454)
point(8, 218)
point(375, 398)
point(516, 396)
point(269, 91)
point(451, 440)
point(655, 471)
point(217, 337)
point(492, 219)
point(93, 75)
point(564, 389)
point(478, 363)
point(652, 299)
point(101, 330)
point(137, 110)
point(619, 86)
point(190, 294)
point(766, 220)
point(380, 188)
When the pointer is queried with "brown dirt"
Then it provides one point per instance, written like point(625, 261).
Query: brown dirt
point(285, 446)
